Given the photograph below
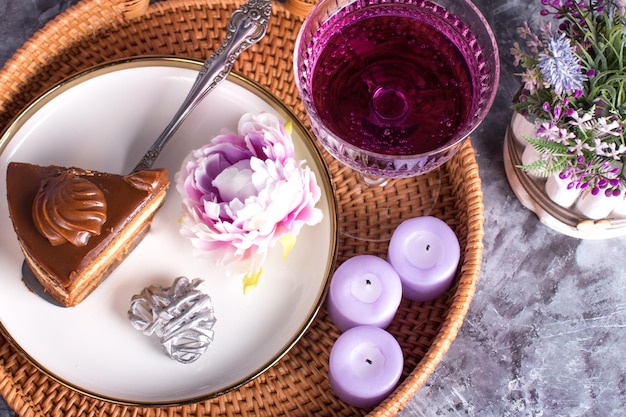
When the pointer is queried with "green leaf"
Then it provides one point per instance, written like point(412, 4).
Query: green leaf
point(545, 168)
point(547, 147)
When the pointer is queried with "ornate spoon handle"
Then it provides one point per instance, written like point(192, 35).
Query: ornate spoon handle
point(246, 26)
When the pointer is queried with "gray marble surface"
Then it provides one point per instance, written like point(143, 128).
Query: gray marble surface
point(546, 331)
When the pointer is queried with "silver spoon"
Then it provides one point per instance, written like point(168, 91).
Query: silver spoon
point(247, 25)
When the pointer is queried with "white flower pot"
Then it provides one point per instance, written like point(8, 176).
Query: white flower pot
point(556, 189)
point(522, 128)
point(596, 207)
point(620, 208)
point(529, 156)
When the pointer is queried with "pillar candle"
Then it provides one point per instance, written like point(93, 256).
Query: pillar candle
point(365, 366)
point(364, 290)
point(425, 252)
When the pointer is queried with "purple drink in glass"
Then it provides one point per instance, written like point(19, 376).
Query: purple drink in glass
point(393, 87)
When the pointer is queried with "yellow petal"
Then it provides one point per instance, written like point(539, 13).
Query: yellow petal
point(250, 280)
point(288, 241)
point(289, 126)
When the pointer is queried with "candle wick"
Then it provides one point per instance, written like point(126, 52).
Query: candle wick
point(368, 282)
point(369, 361)
point(427, 248)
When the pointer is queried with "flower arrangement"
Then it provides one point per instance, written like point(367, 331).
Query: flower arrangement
point(574, 89)
point(244, 192)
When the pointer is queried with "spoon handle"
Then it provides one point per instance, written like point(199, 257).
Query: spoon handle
point(246, 26)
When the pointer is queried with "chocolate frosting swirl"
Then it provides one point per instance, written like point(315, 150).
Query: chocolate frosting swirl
point(68, 208)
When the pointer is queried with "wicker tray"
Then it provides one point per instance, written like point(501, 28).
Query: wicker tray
point(95, 31)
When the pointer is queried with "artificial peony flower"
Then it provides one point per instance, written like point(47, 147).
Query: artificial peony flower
point(242, 193)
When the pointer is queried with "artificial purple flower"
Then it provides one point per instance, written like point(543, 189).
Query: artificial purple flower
point(242, 193)
point(560, 67)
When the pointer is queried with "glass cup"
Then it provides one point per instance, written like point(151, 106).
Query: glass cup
point(393, 88)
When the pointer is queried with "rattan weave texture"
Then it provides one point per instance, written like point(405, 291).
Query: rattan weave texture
point(97, 31)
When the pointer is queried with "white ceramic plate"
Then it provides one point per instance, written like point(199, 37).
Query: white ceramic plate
point(104, 119)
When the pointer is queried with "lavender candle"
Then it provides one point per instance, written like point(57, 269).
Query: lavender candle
point(365, 366)
point(364, 290)
point(425, 252)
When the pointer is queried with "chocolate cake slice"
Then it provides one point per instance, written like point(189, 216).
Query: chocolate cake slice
point(75, 226)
